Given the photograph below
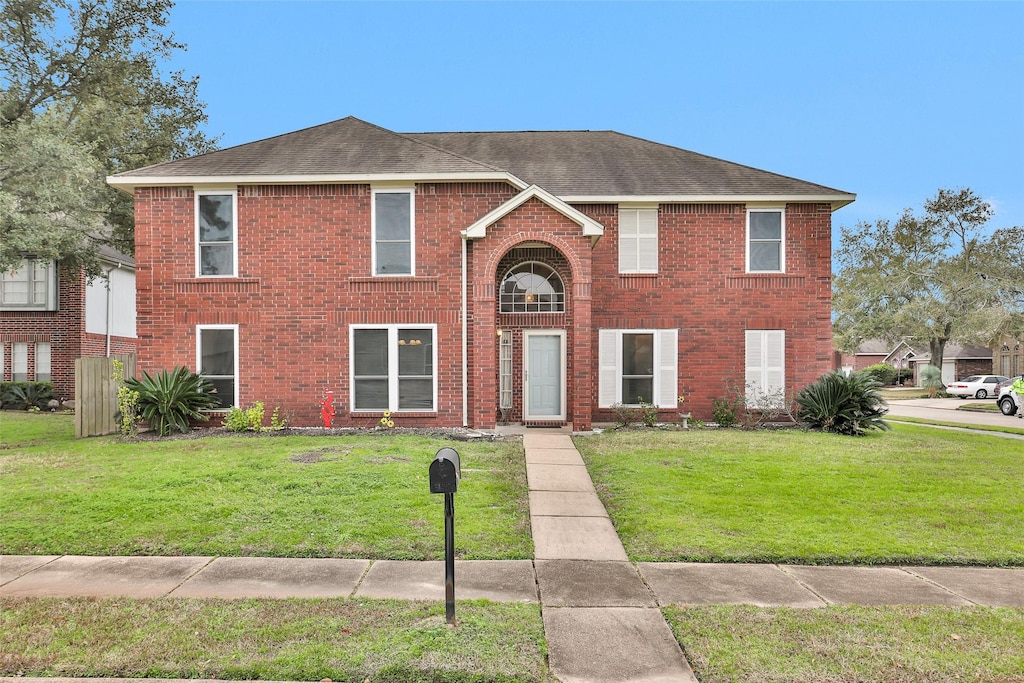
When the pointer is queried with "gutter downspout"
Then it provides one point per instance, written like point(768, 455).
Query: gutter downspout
point(107, 316)
point(465, 340)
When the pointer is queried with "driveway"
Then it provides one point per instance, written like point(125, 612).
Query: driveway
point(945, 410)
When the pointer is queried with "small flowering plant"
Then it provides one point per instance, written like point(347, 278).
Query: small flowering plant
point(385, 420)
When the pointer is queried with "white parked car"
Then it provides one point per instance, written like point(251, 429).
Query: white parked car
point(978, 386)
point(1008, 402)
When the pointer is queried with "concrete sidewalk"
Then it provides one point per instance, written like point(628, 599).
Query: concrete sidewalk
point(563, 582)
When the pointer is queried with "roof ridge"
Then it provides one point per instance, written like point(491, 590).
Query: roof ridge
point(405, 136)
point(498, 132)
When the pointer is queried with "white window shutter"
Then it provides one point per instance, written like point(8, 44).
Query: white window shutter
point(774, 361)
point(608, 375)
point(668, 366)
point(647, 241)
point(627, 240)
point(765, 363)
point(754, 368)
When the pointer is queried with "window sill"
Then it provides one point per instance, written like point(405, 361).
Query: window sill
point(394, 413)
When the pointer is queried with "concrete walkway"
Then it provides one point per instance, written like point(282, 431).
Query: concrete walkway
point(601, 612)
point(601, 621)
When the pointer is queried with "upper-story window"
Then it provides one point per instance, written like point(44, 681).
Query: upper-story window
point(216, 233)
point(766, 234)
point(394, 232)
point(31, 287)
point(638, 240)
point(532, 287)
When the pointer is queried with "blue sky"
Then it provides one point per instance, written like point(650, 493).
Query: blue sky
point(888, 100)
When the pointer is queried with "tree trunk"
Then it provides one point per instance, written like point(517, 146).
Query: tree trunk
point(936, 347)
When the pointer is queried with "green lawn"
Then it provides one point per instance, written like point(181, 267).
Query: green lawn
point(301, 640)
point(912, 496)
point(836, 644)
point(361, 496)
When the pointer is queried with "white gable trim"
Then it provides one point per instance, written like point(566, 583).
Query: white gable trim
point(591, 228)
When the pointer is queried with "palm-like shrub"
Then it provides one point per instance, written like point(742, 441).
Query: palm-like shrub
point(842, 404)
point(169, 400)
point(931, 379)
point(25, 395)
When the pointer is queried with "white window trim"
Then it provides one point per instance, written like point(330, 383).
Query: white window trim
point(782, 236)
point(51, 288)
point(635, 212)
point(761, 370)
point(411, 191)
point(199, 359)
point(392, 366)
point(666, 367)
point(234, 240)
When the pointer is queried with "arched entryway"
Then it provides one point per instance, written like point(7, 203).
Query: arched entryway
point(534, 314)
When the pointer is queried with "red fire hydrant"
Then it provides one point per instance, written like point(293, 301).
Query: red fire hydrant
point(327, 409)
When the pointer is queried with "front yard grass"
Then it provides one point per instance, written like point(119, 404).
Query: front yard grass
point(361, 496)
point(300, 640)
point(831, 644)
point(911, 496)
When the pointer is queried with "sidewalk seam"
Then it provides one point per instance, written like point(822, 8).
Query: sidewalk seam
point(362, 577)
point(45, 564)
point(939, 586)
point(803, 585)
point(191, 576)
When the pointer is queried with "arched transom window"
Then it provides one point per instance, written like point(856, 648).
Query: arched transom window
point(532, 287)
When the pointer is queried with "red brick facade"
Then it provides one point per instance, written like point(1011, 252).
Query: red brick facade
point(304, 278)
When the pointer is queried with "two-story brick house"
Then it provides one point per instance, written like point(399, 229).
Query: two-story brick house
point(458, 278)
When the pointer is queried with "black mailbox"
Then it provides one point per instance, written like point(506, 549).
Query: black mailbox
point(445, 471)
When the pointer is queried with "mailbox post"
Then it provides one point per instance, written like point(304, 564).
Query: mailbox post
point(445, 473)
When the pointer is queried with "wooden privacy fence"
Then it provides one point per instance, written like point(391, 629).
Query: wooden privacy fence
point(96, 394)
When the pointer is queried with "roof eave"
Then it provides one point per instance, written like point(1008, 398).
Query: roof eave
point(837, 201)
point(127, 183)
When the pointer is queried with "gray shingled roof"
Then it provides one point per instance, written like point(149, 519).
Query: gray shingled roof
point(565, 163)
point(606, 163)
point(346, 146)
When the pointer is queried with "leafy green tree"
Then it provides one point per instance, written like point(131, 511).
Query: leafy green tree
point(940, 276)
point(83, 95)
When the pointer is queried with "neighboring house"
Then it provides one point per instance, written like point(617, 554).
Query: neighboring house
point(957, 362)
point(49, 317)
point(460, 278)
point(874, 351)
point(1008, 356)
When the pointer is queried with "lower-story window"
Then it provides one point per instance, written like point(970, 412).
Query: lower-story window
point(218, 361)
point(393, 368)
point(638, 366)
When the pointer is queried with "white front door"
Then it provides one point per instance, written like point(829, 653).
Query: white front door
point(544, 375)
